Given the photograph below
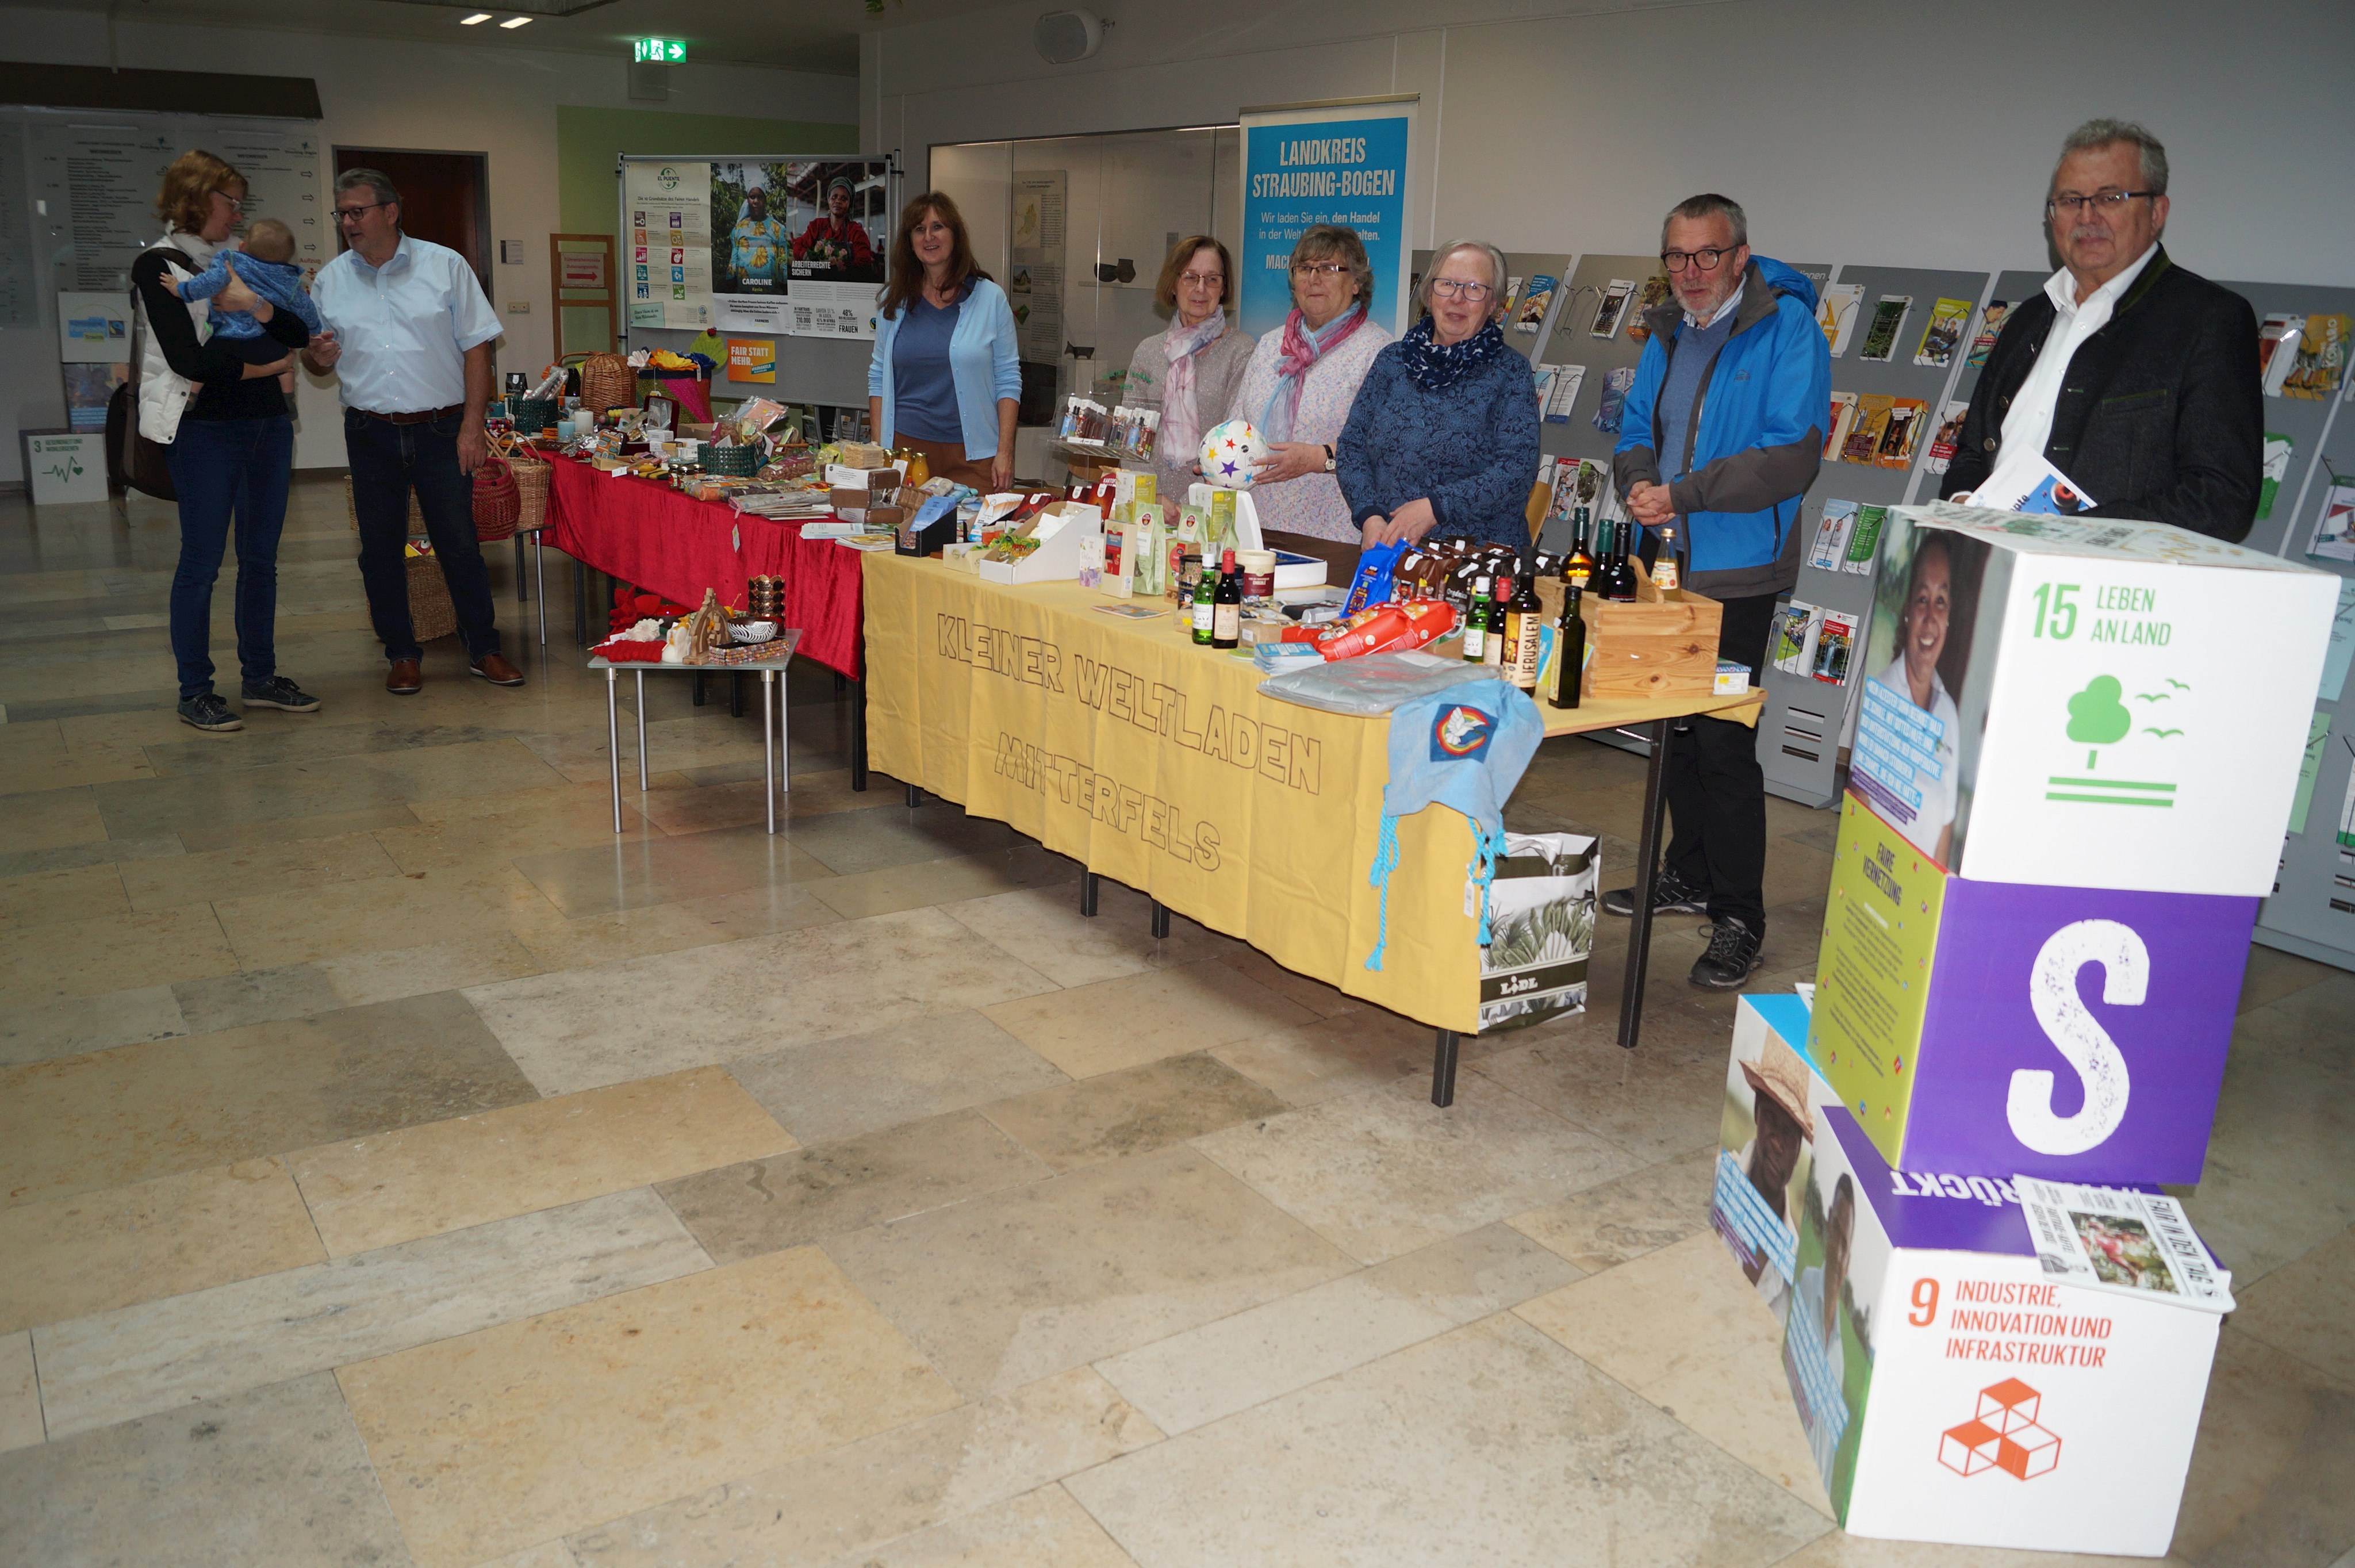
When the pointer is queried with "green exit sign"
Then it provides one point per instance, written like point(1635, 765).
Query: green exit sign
point(660, 49)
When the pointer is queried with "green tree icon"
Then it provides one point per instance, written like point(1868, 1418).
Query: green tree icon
point(2096, 717)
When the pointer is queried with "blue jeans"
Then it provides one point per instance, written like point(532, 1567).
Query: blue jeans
point(388, 460)
point(228, 471)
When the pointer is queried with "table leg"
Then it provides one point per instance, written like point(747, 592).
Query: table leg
point(768, 766)
point(1443, 1068)
point(858, 737)
point(1087, 894)
point(915, 797)
point(1160, 919)
point(1647, 870)
point(642, 732)
point(613, 750)
point(699, 688)
point(579, 604)
point(540, 586)
point(784, 742)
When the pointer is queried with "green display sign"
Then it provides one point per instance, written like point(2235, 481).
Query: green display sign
point(671, 49)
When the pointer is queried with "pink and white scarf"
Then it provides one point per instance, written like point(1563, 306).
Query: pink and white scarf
point(1301, 349)
point(1181, 421)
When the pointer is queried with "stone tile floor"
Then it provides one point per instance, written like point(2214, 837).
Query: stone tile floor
point(397, 1168)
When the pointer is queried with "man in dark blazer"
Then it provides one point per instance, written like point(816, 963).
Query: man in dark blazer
point(2136, 378)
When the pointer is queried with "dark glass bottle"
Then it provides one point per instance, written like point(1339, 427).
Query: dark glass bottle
point(1570, 650)
point(1475, 623)
point(1614, 578)
point(1580, 567)
point(1227, 604)
point(1524, 633)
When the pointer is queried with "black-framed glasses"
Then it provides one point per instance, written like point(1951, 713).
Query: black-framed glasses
point(1705, 260)
point(1458, 289)
point(351, 214)
point(2100, 201)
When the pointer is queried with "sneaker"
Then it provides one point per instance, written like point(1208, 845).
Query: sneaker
point(209, 712)
point(1733, 958)
point(279, 692)
point(1671, 895)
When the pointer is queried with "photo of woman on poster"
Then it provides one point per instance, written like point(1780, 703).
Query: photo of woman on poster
point(750, 240)
point(1911, 769)
point(831, 208)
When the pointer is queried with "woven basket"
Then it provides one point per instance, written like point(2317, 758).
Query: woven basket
point(531, 478)
point(608, 383)
point(416, 513)
point(497, 502)
point(431, 613)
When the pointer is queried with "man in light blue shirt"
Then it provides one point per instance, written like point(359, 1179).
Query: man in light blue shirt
point(409, 333)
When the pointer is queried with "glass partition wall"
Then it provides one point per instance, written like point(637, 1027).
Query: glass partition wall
point(1076, 228)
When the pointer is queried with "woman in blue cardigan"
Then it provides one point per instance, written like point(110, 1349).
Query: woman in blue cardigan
point(1443, 435)
point(944, 378)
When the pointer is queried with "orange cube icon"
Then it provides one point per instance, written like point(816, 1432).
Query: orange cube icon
point(2004, 1436)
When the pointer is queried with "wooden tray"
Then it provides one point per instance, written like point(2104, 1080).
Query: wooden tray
point(1663, 644)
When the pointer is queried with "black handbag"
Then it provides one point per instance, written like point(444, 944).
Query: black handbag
point(134, 461)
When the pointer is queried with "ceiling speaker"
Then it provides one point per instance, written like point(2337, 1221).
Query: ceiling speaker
point(1064, 37)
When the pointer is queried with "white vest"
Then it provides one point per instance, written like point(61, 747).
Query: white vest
point(164, 393)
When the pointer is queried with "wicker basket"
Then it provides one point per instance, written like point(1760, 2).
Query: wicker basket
point(498, 504)
point(607, 383)
point(531, 478)
point(416, 513)
point(431, 613)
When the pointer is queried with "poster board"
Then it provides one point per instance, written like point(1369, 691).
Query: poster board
point(1344, 161)
point(776, 243)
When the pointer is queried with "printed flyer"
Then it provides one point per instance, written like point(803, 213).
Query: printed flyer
point(1836, 314)
point(1888, 320)
point(1990, 325)
point(1608, 308)
point(1531, 313)
point(1945, 332)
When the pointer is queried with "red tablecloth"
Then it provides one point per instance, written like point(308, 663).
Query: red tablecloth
point(651, 536)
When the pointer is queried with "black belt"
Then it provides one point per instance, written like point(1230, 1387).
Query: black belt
point(425, 418)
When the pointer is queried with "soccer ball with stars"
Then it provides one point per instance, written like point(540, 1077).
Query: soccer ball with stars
point(1230, 452)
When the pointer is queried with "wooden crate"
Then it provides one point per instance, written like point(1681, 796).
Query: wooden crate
point(1663, 644)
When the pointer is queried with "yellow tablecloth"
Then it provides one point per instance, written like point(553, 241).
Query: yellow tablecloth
point(1157, 764)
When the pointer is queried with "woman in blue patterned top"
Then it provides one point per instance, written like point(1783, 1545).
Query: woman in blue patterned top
point(1443, 435)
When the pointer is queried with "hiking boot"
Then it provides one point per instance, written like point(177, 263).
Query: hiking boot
point(279, 692)
point(1733, 958)
point(209, 712)
point(1671, 895)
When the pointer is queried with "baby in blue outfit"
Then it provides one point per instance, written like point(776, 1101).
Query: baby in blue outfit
point(266, 266)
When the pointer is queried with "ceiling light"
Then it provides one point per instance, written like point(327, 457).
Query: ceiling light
point(477, 16)
point(515, 22)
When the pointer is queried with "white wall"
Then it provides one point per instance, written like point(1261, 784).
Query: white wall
point(422, 97)
point(1851, 129)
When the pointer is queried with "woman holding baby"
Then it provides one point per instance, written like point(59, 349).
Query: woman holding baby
point(212, 388)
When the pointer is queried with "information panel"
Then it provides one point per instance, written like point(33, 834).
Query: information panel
point(1302, 165)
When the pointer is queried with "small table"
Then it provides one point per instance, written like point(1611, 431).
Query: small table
point(773, 716)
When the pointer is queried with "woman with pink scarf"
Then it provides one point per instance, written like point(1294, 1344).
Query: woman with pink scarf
point(1303, 377)
point(1192, 369)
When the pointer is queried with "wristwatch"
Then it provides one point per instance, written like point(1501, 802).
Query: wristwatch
point(1330, 463)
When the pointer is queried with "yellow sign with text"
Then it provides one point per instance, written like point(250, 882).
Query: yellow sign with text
point(752, 359)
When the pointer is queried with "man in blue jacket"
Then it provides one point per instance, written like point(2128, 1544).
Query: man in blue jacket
point(1720, 438)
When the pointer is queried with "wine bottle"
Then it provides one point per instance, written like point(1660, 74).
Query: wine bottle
point(1492, 651)
point(1524, 633)
point(1227, 604)
point(1615, 580)
point(1580, 567)
point(1205, 610)
point(1475, 623)
point(1570, 650)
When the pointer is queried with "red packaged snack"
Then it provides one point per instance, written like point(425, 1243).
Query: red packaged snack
point(1388, 629)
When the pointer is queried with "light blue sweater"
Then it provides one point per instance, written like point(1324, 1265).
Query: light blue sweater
point(981, 361)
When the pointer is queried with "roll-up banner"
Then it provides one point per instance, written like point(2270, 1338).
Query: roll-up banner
point(1344, 162)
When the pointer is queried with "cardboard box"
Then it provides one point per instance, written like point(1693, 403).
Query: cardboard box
point(1950, 1393)
point(2072, 1033)
point(65, 466)
point(1764, 1142)
point(1061, 526)
point(2087, 702)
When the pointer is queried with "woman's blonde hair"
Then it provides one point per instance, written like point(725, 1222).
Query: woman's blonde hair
point(186, 200)
point(1165, 293)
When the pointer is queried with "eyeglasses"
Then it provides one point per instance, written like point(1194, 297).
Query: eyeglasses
point(1457, 289)
point(1203, 280)
point(1704, 260)
point(351, 214)
point(235, 204)
point(2100, 201)
point(1320, 269)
